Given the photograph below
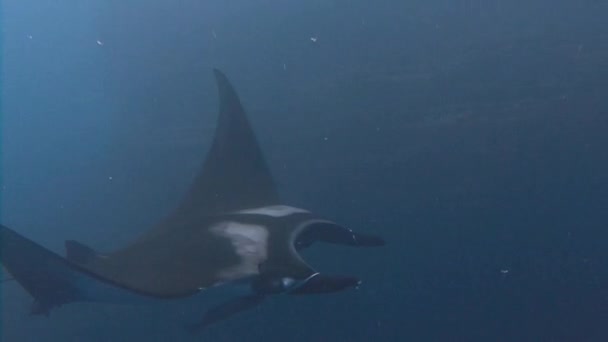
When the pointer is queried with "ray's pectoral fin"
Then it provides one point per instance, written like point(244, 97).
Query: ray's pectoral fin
point(42, 273)
point(53, 280)
point(226, 310)
point(327, 231)
point(235, 174)
point(6, 280)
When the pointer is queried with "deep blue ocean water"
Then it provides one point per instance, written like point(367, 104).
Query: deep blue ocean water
point(470, 134)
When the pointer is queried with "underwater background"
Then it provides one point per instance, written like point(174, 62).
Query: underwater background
point(471, 135)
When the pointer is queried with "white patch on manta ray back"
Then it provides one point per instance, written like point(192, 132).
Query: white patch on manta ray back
point(273, 211)
point(250, 243)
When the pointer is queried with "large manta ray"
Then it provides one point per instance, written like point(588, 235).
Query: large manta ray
point(231, 229)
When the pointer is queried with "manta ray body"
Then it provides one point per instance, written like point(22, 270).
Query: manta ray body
point(230, 229)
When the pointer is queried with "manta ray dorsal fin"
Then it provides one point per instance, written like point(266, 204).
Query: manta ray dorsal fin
point(234, 175)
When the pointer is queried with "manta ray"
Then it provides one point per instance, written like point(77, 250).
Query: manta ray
point(230, 229)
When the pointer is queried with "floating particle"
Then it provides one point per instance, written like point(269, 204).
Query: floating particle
point(99, 42)
point(214, 34)
point(29, 36)
point(313, 39)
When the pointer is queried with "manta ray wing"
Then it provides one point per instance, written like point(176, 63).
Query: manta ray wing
point(53, 281)
point(229, 228)
point(234, 174)
point(195, 247)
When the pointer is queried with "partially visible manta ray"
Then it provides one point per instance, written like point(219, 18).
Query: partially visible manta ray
point(231, 229)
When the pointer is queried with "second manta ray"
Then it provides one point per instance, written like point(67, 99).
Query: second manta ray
point(231, 229)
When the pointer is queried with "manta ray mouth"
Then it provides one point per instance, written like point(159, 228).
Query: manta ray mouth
point(318, 230)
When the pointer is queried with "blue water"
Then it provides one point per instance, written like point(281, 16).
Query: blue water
point(470, 134)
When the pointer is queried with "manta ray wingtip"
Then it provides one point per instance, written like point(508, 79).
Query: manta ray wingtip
point(219, 75)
